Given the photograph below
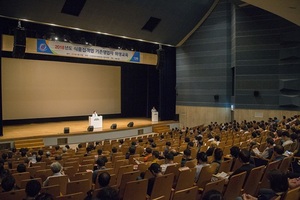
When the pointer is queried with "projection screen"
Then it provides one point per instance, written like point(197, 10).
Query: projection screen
point(46, 89)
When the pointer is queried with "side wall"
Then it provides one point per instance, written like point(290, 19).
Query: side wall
point(246, 58)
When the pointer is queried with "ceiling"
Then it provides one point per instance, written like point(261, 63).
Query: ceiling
point(116, 17)
point(177, 19)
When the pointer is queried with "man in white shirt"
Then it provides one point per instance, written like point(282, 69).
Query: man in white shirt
point(168, 161)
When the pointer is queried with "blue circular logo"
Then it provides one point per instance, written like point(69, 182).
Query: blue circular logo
point(43, 47)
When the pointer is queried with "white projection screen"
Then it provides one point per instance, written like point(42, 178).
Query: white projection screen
point(45, 89)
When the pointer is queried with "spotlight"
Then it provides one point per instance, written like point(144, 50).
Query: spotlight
point(130, 124)
point(113, 126)
point(90, 128)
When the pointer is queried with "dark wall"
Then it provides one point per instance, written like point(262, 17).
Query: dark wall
point(203, 62)
point(266, 60)
point(245, 56)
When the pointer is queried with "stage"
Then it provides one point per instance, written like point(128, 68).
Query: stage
point(51, 131)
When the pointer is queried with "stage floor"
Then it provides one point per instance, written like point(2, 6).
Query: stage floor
point(27, 131)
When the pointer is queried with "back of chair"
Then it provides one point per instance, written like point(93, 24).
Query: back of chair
point(43, 174)
point(75, 196)
point(135, 190)
point(234, 186)
point(253, 180)
point(206, 175)
point(24, 182)
point(62, 181)
point(189, 193)
point(127, 177)
point(83, 168)
point(79, 186)
point(215, 185)
point(82, 175)
point(13, 195)
point(264, 183)
point(21, 176)
point(293, 194)
point(121, 171)
point(162, 186)
point(285, 164)
point(225, 166)
point(185, 179)
point(32, 170)
point(51, 189)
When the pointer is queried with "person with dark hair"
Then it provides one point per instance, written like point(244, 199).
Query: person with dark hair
point(286, 140)
point(268, 151)
point(8, 183)
point(167, 148)
point(211, 149)
point(131, 151)
point(155, 170)
point(186, 157)
point(201, 162)
point(218, 157)
point(44, 196)
point(32, 189)
point(103, 179)
point(278, 153)
point(21, 168)
point(212, 195)
point(100, 166)
point(278, 184)
point(148, 154)
point(169, 160)
point(234, 152)
point(108, 193)
point(156, 156)
point(244, 157)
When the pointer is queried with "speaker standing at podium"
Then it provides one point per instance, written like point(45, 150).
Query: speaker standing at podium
point(94, 114)
point(153, 109)
point(154, 114)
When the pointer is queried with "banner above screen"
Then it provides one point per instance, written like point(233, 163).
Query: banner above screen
point(59, 48)
point(85, 51)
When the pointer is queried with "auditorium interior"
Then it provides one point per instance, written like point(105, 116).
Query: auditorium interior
point(209, 68)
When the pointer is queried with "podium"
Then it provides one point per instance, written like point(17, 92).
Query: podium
point(95, 121)
point(154, 116)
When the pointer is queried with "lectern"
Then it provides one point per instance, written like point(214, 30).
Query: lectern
point(154, 116)
point(95, 121)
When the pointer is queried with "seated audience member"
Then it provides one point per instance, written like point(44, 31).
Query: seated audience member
point(278, 153)
point(286, 140)
point(131, 151)
point(234, 152)
point(211, 149)
point(169, 160)
point(244, 157)
point(268, 151)
point(57, 170)
point(44, 196)
point(201, 162)
point(167, 149)
point(278, 184)
point(186, 157)
point(212, 195)
point(33, 188)
point(8, 183)
point(218, 158)
point(108, 193)
point(104, 179)
point(155, 170)
point(148, 154)
point(21, 168)
point(156, 156)
point(100, 166)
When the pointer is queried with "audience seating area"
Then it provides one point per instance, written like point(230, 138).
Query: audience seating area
point(177, 182)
